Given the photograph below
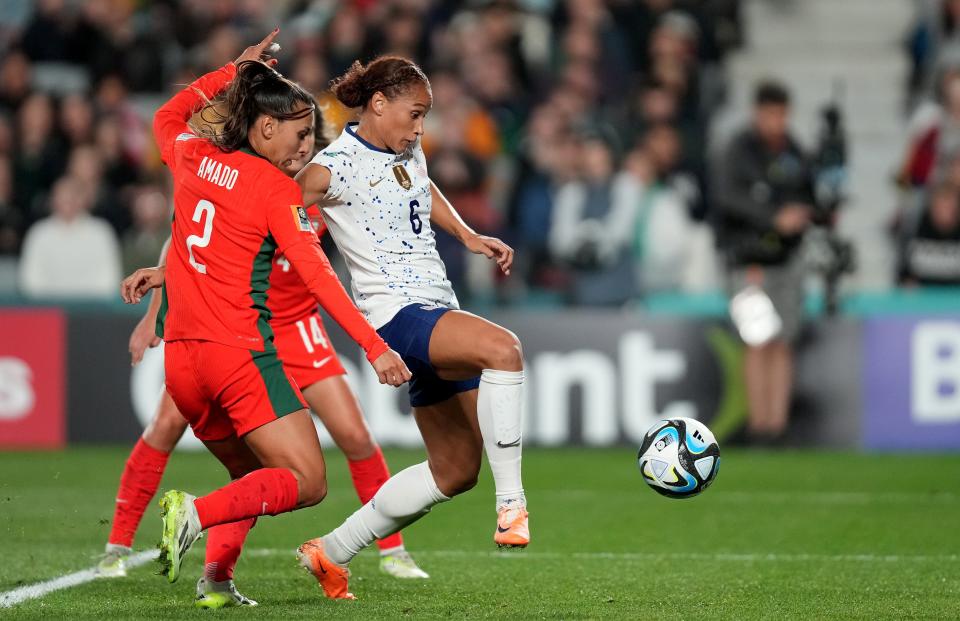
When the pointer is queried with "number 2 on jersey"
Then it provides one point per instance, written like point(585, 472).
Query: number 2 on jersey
point(198, 241)
point(415, 222)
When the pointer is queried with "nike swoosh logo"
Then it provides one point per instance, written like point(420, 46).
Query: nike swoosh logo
point(514, 443)
point(319, 363)
point(374, 183)
point(320, 566)
point(501, 529)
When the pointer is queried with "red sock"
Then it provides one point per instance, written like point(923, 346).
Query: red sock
point(267, 491)
point(138, 485)
point(224, 543)
point(368, 476)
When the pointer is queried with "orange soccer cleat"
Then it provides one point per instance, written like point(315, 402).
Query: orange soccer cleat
point(513, 530)
point(332, 577)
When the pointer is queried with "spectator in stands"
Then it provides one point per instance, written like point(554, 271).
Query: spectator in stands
point(39, 158)
point(142, 242)
point(86, 166)
point(935, 137)
point(118, 169)
point(933, 43)
point(11, 218)
point(661, 215)
point(14, 80)
point(764, 202)
point(70, 253)
point(592, 228)
point(76, 119)
point(930, 254)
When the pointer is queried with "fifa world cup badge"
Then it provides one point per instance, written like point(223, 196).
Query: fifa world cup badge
point(403, 177)
point(301, 218)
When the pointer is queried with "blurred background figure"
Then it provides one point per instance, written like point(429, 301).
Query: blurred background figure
point(70, 254)
point(592, 227)
point(141, 243)
point(764, 203)
point(930, 253)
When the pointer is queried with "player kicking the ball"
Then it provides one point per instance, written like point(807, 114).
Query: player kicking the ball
point(380, 205)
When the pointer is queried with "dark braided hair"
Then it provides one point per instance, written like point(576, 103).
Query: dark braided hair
point(256, 90)
point(390, 75)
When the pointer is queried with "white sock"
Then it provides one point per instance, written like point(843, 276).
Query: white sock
point(500, 413)
point(405, 498)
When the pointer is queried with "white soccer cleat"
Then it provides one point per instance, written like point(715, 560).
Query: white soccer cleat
point(114, 562)
point(400, 564)
point(213, 595)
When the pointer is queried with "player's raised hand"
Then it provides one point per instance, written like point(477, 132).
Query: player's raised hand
point(492, 248)
point(391, 369)
point(142, 337)
point(136, 285)
point(262, 51)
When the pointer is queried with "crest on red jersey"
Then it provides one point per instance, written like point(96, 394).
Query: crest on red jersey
point(301, 218)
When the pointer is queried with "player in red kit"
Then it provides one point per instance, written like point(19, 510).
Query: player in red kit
point(233, 209)
point(305, 350)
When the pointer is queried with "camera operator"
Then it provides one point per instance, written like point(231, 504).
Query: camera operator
point(764, 201)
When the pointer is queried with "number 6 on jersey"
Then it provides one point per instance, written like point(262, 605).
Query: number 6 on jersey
point(196, 240)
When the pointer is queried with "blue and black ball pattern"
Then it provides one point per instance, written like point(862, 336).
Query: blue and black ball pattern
point(696, 465)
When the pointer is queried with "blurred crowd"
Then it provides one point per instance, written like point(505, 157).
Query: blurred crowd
point(927, 226)
point(573, 129)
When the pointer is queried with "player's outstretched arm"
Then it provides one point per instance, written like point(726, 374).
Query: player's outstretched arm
point(446, 217)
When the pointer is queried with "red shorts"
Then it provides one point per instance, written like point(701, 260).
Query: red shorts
point(223, 390)
point(305, 350)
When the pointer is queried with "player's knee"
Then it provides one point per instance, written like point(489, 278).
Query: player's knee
point(504, 352)
point(165, 431)
point(311, 488)
point(356, 444)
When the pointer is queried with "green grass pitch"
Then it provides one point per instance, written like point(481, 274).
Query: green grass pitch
point(798, 535)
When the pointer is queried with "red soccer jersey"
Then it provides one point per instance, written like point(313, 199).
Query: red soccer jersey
point(289, 299)
point(232, 212)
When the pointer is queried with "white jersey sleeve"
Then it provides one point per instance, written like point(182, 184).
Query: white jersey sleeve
point(378, 213)
point(341, 171)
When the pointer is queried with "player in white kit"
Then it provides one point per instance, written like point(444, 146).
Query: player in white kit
point(380, 206)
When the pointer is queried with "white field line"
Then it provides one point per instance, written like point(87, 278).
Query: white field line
point(521, 555)
point(33, 591)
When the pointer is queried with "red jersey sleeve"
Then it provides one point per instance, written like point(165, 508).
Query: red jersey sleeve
point(170, 121)
point(291, 229)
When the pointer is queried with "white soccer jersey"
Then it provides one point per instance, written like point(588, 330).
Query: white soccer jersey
point(378, 211)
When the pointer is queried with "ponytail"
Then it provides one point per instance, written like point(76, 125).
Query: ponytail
point(257, 89)
point(390, 75)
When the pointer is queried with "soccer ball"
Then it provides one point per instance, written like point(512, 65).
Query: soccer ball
point(679, 457)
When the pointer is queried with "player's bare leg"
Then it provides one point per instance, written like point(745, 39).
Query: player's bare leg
point(337, 407)
point(463, 346)
point(139, 482)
